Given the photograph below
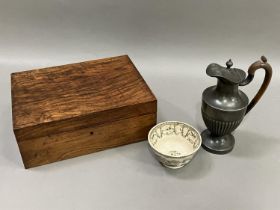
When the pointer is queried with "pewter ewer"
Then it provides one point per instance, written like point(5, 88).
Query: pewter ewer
point(224, 105)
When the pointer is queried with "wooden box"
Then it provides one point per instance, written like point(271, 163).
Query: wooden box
point(71, 110)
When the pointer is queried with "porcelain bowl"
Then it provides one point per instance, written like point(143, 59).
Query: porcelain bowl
point(174, 143)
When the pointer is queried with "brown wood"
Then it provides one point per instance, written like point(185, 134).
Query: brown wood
point(75, 109)
point(74, 143)
point(261, 64)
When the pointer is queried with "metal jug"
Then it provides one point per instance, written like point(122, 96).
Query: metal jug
point(224, 105)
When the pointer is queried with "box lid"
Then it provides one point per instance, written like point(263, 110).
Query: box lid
point(107, 89)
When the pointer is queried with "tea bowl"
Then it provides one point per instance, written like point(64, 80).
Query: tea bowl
point(174, 143)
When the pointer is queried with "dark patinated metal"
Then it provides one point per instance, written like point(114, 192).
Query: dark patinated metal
point(224, 105)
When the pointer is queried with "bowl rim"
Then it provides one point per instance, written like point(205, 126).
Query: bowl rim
point(174, 121)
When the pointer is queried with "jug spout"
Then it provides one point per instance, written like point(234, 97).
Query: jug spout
point(227, 74)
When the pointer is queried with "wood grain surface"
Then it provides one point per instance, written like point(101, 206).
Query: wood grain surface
point(62, 92)
point(52, 148)
point(59, 105)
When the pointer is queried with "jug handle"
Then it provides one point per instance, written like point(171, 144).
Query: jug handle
point(260, 64)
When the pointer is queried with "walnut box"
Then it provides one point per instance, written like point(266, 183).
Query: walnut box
point(71, 110)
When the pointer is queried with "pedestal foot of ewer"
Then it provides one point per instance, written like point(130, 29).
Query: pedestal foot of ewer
point(217, 144)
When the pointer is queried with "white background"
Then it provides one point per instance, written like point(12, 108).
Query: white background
point(171, 43)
